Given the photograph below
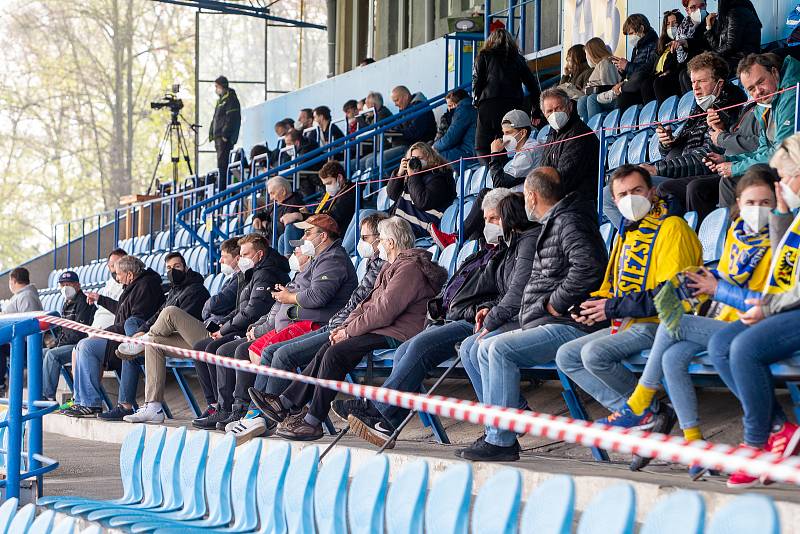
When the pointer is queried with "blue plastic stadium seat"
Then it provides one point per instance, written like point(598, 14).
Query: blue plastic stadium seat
point(746, 514)
point(496, 507)
point(449, 218)
point(611, 512)
point(405, 501)
point(44, 523)
point(683, 511)
point(467, 249)
point(667, 109)
point(628, 120)
point(647, 115)
point(361, 268)
point(685, 105)
point(383, 202)
point(7, 512)
point(271, 482)
point(298, 494)
point(607, 232)
point(595, 122)
point(617, 152)
point(541, 137)
point(330, 494)
point(611, 121)
point(367, 497)
point(22, 520)
point(447, 507)
point(691, 219)
point(65, 526)
point(712, 234)
point(447, 258)
point(479, 180)
point(652, 149)
point(637, 148)
point(550, 507)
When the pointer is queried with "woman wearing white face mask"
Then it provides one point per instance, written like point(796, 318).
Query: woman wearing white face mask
point(690, 38)
point(666, 79)
point(638, 72)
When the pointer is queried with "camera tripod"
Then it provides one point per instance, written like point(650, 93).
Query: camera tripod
point(178, 148)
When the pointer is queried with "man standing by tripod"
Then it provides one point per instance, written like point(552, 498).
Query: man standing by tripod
point(224, 129)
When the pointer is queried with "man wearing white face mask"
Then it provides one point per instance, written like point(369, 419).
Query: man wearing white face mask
point(222, 303)
point(652, 248)
point(75, 309)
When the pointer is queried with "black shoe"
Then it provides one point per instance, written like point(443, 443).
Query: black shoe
point(481, 451)
point(663, 422)
point(372, 429)
point(210, 409)
point(481, 440)
point(237, 413)
point(76, 410)
point(344, 408)
point(116, 414)
point(210, 422)
point(270, 405)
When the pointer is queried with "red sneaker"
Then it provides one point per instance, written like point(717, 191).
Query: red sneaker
point(740, 479)
point(442, 239)
point(784, 443)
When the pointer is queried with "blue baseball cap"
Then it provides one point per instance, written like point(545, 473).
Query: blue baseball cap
point(68, 276)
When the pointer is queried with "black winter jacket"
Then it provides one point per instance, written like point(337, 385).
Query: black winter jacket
point(684, 157)
point(471, 288)
point(374, 266)
point(644, 56)
point(287, 206)
point(510, 274)
point(77, 310)
point(255, 292)
point(736, 32)
point(575, 160)
point(421, 127)
point(227, 118)
point(496, 75)
point(219, 305)
point(190, 296)
point(570, 263)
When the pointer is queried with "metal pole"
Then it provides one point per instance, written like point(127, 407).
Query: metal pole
point(331, 38)
point(99, 244)
point(510, 16)
point(69, 244)
point(116, 228)
point(430, 20)
point(487, 10)
point(357, 219)
point(460, 201)
point(15, 416)
point(35, 394)
point(537, 26)
point(523, 21)
point(797, 108)
point(274, 223)
point(171, 223)
point(55, 247)
point(601, 173)
point(447, 65)
point(83, 241)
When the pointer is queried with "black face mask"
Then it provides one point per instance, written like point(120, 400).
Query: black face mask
point(176, 277)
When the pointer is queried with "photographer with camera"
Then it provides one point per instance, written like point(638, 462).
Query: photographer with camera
point(421, 188)
point(224, 129)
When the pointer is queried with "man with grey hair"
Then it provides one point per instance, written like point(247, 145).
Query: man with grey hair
point(279, 190)
point(570, 147)
point(374, 101)
point(141, 298)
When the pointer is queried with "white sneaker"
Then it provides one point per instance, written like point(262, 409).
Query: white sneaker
point(133, 349)
point(246, 429)
point(149, 413)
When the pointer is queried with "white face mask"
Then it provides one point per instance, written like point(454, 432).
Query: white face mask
point(634, 207)
point(308, 249)
point(69, 292)
point(766, 105)
point(364, 249)
point(790, 197)
point(633, 40)
point(530, 213)
point(755, 217)
point(299, 126)
point(672, 31)
point(245, 264)
point(492, 233)
point(382, 254)
point(705, 102)
point(294, 263)
point(557, 120)
point(510, 143)
point(698, 16)
point(226, 269)
point(333, 190)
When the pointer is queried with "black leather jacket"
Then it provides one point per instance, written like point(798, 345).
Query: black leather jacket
point(498, 76)
point(736, 32)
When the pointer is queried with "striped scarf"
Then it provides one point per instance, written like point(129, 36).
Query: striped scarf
point(783, 271)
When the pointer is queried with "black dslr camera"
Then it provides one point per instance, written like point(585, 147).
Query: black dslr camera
point(414, 164)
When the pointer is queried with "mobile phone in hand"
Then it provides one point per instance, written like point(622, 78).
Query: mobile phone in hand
point(575, 309)
point(212, 327)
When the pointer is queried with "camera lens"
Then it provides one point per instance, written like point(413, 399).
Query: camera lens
point(414, 164)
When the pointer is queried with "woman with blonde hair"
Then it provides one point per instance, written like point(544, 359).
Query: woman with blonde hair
point(598, 91)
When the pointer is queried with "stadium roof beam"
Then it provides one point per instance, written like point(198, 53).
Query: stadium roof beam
point(235, 8)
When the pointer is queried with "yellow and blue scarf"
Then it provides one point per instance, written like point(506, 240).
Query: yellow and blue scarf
point(783, 271)
point(746, 252)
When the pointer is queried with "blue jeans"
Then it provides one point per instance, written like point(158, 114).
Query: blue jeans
point(588, 107)
point(468, 352)
point(349, 240)
point(290, 233)
point(415, 358)
point(501, 358)
point(670, 358)
point(289, 355)
point(610, 207)
point(54, 359)
point(129, 378)
point(742, 356)
point(594, 362)
point(91, 352)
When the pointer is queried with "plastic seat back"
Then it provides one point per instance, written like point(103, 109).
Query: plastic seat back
point(65, 526)
point(383, 202)
point(712, 234)
point(595, 122)
point(683, 511)
point(271, 480)
point(405, 501)
point(447, 508)
point(607, 232)
point(361, 269)
point(480, 178)
point(151, 467)
point(647, 115)
point(298, 495)
point(685, 105)
point(550, 507)
point(367, 498)
point(627, 121)
point(691, 219)
point(541, 137)
point(44, 523)
point(244, 488)
point(448, 221)
point(218, 481)
point(447, 258)
point(746, 514)
point(666, 111)
point(130, 464)
point(194, 462)
point(611, 512)
point(169, 475)
point(22, 520)
point(496, 507)
point(654, 154)
point(467, 249)
point(617, 153)
point(637, 148)
point(330, 494)
point(7, 512)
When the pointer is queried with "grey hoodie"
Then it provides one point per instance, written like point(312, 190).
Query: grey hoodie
point(24, 300)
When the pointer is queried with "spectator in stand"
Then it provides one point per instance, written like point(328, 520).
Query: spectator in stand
point(600, 95)
point(300, 145)
point(734, 31)
point(218, 306)
point(324, 283)
point(260, 165)
point(690, 39)
point(458, 139)
point(354, 122)
point(339, 201)
point(224, 128)
point(112, 289)
point(568, 263)
point(738, 139)
point(298, 352)
point(75, 309)
point(329, 131)
point(576, 72)
point(638, 72)
point(743, 268)
point(186, 292)
point(421, 128)
point(279, 190)
point(281, 129)
point(392, 313)
point(666, 80)
point(421, 188)
point(653, 247)
point(682, 174)
point(140, 299)
point(374, 101)
point(305, 121)
point(24, 298)
point(761, 78)
point(570, 146)
point(743, 351)
point(366, 61)
point(499, 73)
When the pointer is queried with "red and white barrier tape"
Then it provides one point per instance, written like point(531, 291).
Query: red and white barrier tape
point(668, 448)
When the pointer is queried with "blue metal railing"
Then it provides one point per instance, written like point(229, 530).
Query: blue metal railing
point(25, 337)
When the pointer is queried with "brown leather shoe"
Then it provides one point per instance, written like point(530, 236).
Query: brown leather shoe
point(295, 428)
